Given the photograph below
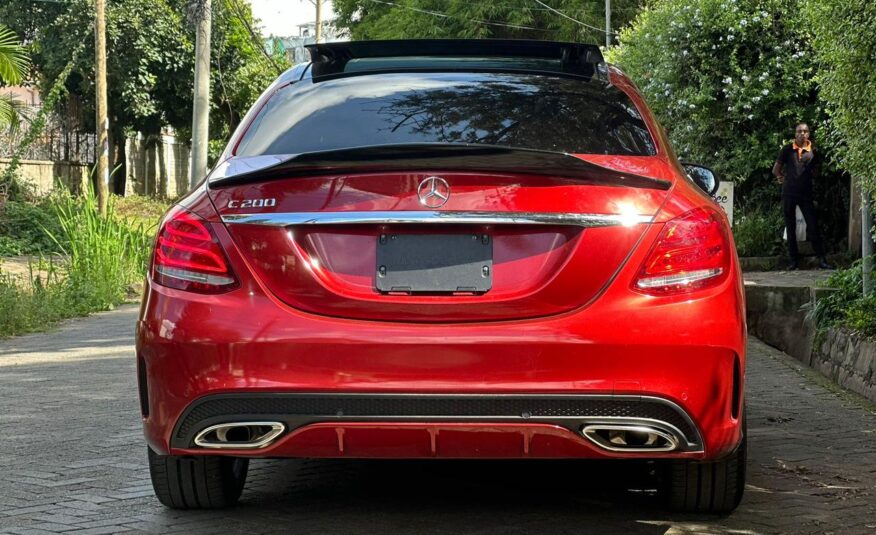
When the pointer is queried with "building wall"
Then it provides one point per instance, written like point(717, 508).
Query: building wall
point(44, 176)
point(157, 166)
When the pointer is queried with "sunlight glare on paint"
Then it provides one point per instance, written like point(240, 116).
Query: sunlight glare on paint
point(629, 216)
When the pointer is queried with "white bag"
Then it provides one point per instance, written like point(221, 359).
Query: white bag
point(801, 227)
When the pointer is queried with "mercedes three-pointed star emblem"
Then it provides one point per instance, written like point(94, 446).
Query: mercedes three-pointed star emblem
point(433, 191)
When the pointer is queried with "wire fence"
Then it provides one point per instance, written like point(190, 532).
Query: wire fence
point(57, 143)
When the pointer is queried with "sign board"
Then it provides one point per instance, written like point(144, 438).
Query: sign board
point(724, 197)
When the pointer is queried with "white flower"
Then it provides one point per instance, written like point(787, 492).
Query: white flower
point(755, 99)
point(727, 80)
point(750, 116)
point(743, 22)
point(745, 78)
point(691, 106)
point(684, 52)
point(730, 37)
point(765, 92)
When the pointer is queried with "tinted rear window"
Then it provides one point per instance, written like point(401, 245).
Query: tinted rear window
point(513, 110)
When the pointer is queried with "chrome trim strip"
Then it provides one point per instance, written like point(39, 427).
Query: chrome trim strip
point(277, 429)
point(283, 219)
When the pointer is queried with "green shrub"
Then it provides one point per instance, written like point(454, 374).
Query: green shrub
point(759, 234)
point(861, 316)
point(846, 306)
point(21, 228)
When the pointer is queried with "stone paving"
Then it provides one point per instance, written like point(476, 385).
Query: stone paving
point(787, 279)
point(72, 459)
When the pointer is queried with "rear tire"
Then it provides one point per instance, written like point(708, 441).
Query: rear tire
point(708, 487)
point(198, 481)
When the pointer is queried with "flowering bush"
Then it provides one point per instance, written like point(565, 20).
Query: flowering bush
point(728, 79)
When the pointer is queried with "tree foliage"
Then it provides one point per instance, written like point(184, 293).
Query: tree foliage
point(728, 79)
point(150, 59)
point(13, 64)
point(519, 19)
point(844, 41)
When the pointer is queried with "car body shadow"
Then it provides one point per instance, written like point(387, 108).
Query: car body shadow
point(456, 496)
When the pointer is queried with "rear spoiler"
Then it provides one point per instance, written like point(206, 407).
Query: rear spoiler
point(424, 157)
point(572, 58)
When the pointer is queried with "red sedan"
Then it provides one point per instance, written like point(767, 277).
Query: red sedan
point(446, 249)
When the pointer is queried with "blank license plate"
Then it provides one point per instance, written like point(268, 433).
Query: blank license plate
point(434, 263)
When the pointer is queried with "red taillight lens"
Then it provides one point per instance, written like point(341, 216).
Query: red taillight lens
point(691, 253)
point(188, 256)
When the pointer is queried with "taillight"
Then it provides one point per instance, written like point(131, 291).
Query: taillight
point(691, 253)
point(188, 256)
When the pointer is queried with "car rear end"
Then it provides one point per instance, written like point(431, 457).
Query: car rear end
point(431, 254)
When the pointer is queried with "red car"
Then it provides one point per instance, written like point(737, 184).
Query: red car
point(446, 249)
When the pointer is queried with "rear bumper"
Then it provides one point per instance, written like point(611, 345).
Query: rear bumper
point(195, 350)
point(420, 423)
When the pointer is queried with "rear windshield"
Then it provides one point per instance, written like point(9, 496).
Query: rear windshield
point(514, 110)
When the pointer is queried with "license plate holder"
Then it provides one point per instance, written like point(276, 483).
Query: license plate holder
point(434, 263)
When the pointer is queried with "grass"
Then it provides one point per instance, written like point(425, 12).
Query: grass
point(136, 210)
point(104, 263)
point(38, 303)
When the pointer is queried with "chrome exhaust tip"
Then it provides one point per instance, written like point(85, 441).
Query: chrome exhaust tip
point(631, 438)
point(239, 435)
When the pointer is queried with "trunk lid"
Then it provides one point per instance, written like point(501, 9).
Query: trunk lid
point(556, 228)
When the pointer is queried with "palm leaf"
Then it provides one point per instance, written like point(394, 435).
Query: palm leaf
point(13, 60)
point(12, 112)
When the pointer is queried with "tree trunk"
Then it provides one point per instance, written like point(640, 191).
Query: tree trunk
point(101, 118)
point(201, 111)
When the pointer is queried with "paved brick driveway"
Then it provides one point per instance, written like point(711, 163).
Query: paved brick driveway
point(72, 458)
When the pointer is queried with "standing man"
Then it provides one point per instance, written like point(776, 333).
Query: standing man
point(795, 167)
